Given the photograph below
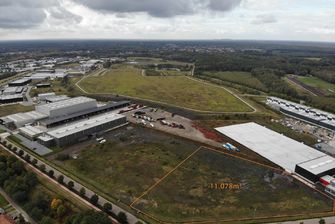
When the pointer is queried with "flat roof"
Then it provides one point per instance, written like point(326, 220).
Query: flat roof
point(22, 117)
point(66, 103)
point(56, 98)
point(12, 96)
point(275, 147)
point(46, 94)
point(308, 112)
point(84, 125)
point(30, 130)
point(319, 165)
point(53, 120)
point(22, 80)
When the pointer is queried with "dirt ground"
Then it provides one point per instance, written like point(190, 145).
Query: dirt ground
point(189, 132)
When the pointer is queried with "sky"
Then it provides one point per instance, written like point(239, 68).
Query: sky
point(299, 20)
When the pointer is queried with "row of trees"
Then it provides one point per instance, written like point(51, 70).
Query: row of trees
point(37, 204)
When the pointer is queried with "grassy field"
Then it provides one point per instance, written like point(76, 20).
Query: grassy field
point(129, 81)
point(129, 162)
point(242, 78)
point(315, 82)
point(134, 158)
point(14, 108)
point(297, 87)
point(187, 195)
point(149, 61)
point(59, 88)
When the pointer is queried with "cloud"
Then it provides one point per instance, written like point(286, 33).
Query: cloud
point(158, 8)
point(21, 14)
point(223, 5)
point(264, 18)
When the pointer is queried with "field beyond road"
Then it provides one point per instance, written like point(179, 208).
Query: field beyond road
point(211, 187)
point(179, 91)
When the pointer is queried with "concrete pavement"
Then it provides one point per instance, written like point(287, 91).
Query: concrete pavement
point(17, 207)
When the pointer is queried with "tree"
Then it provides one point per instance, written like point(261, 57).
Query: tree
point(94, 199)
point(89, 217)
point(10, 146)
point(61, 211)
point(34, 162)
point(51, 173)
point(107, 207)
point(47, 220)
point(322, 221)
point(42, 168)
point(27, 157)
point(60, 179)
point(122, 218)
point(82, 192)
point(14, 149)
point(20, 153)
point(70, 184)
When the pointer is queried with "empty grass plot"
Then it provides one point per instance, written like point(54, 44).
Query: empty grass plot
point(128, 163)
point(178, 91)
point(213, 187)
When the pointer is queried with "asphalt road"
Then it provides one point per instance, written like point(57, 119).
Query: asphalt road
point(89, 193)
point(17, 207)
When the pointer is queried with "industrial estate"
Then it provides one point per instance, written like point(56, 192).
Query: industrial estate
point(128, 138)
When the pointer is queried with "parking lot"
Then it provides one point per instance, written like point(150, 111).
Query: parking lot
point(170, 123)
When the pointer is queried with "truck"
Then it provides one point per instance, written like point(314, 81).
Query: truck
point(230, 147)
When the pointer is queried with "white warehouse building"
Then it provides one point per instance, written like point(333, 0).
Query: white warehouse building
point(82, 130)
point(66, 107)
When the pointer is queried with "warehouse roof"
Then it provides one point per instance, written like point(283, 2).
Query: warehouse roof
point(108, 106)
point(12, 96)
point(319, 165)
point(30, 130)
point(84, 125)
point(19, 81)
point(26, 117)
point(276, 147)
point(66, 103)
point(56, 98)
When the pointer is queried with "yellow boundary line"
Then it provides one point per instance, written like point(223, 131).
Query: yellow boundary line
point(166, 175)
point(332, 212)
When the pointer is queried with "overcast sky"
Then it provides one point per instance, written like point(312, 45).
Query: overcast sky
point(311, 20)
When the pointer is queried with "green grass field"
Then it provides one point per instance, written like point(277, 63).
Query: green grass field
point(14, 108)
point(149, 61)
point(176, 90)
point(318, 83)
point(242, 78)
point(133, 159)
point(187, 196)
point(129, 163)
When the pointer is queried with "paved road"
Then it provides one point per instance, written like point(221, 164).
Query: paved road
point(77, 186)
point(329, 220)
point(17, 207)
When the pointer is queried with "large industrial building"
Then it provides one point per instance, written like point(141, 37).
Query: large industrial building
point(66, 121)
point(66, 107)
point(82, 130)
point(308, 114)
point(292, 156)
point(20, 82)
